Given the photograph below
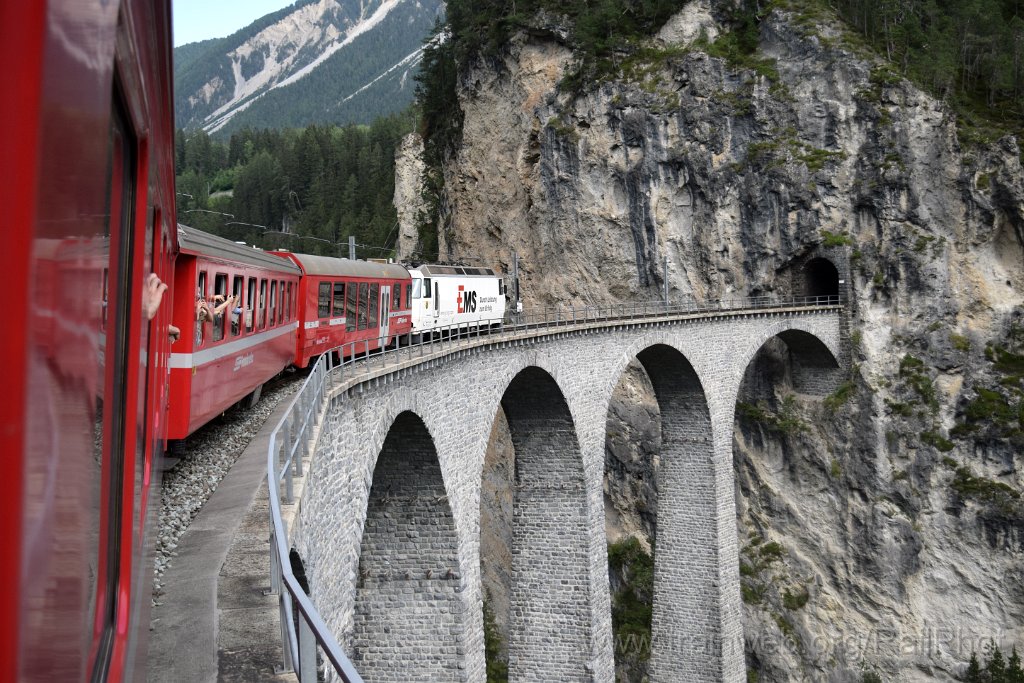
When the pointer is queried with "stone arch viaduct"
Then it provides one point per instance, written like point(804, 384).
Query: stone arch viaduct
point(388, 520)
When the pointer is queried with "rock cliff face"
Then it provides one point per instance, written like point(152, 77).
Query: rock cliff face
point(882, 528)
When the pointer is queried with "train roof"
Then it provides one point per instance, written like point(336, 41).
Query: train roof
point(329, 265)
point(193, 241)
point(456, 270)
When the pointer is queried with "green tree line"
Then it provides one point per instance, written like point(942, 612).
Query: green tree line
point(318, 184)
point(969, 52)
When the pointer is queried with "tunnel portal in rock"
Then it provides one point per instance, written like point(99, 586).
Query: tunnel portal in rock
point(408, 616)
point(821, 278)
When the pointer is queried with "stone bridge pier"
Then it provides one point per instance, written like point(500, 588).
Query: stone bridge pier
point(388, 526)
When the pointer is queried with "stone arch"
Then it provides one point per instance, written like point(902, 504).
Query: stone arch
point(820, 278)
point(550, 597)
point(812, 359)
point(685, 613)
point(408, 617)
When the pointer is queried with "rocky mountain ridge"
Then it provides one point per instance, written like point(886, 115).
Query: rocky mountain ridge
point(316, 61)
point(882, 528)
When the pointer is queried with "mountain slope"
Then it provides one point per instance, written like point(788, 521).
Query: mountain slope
point(316, 61)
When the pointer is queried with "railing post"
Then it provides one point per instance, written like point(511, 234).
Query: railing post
point(307, 651)
point(275, 562)
point(283, 617)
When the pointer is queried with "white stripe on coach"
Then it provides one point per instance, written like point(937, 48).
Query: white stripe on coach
point(190, 360)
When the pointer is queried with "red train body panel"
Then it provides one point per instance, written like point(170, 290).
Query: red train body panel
point(342, 302)
point(88, 197)
point(219, 361)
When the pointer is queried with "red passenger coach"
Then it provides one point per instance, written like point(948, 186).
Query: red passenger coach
point(343, 301)
point(231, 353)
point(87, 169)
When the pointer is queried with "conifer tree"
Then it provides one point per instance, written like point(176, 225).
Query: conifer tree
point(973, 674)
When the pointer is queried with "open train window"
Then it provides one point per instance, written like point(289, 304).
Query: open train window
point(364, 295)
point(323, 302)
point(236, 288)
point(273, 302)
point(339, 299)
point(250, 304)
point(220, 288)
point(374, 303)
point(350, 308)
point(396, 296)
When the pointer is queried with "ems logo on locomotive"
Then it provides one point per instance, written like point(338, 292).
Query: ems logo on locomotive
point(466, 300)
point(242, 361)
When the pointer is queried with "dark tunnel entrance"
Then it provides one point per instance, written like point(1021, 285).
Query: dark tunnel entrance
point(821, 278)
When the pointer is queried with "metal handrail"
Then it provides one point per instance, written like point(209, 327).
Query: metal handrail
point(294, 432)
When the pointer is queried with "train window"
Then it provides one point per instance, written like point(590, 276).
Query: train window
point(396, 298)
point(323, 309)
point(408, 295)
point(273, 301)
point(374, 302)
point(220, 287)
point(426, 288)
point(501, 287)
point(339, 299)
point(350, 308)
point(288, 302)
point(263, 304)
point(364, 295)
point(417, 288)
point(250, 304)
point(237, 285)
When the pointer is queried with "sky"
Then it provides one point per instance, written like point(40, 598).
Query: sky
point(196, 20)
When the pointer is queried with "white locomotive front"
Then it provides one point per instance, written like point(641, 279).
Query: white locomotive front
point(455, 297)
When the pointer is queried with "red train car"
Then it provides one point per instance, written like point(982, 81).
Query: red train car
point(89, 233)
point(228, 355)
point(343, 301)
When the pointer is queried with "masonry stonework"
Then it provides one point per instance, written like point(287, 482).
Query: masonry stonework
point(555, 389)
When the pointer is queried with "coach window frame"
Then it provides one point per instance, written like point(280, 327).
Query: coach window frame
point(374, 306)
point(323, 299)
point(121, 195)
point(364, 295)
point(338, 300)
point(262, 323)
point(220, 286)
point(237, 289)
point(273, 303)
point(249, 316)
point(351, 307)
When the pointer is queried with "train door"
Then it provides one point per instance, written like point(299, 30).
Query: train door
point(385, 314)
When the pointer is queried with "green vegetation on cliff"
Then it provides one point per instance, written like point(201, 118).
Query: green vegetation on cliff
point(631, 570)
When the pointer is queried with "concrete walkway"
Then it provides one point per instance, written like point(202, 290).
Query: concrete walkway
point(215, 624)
